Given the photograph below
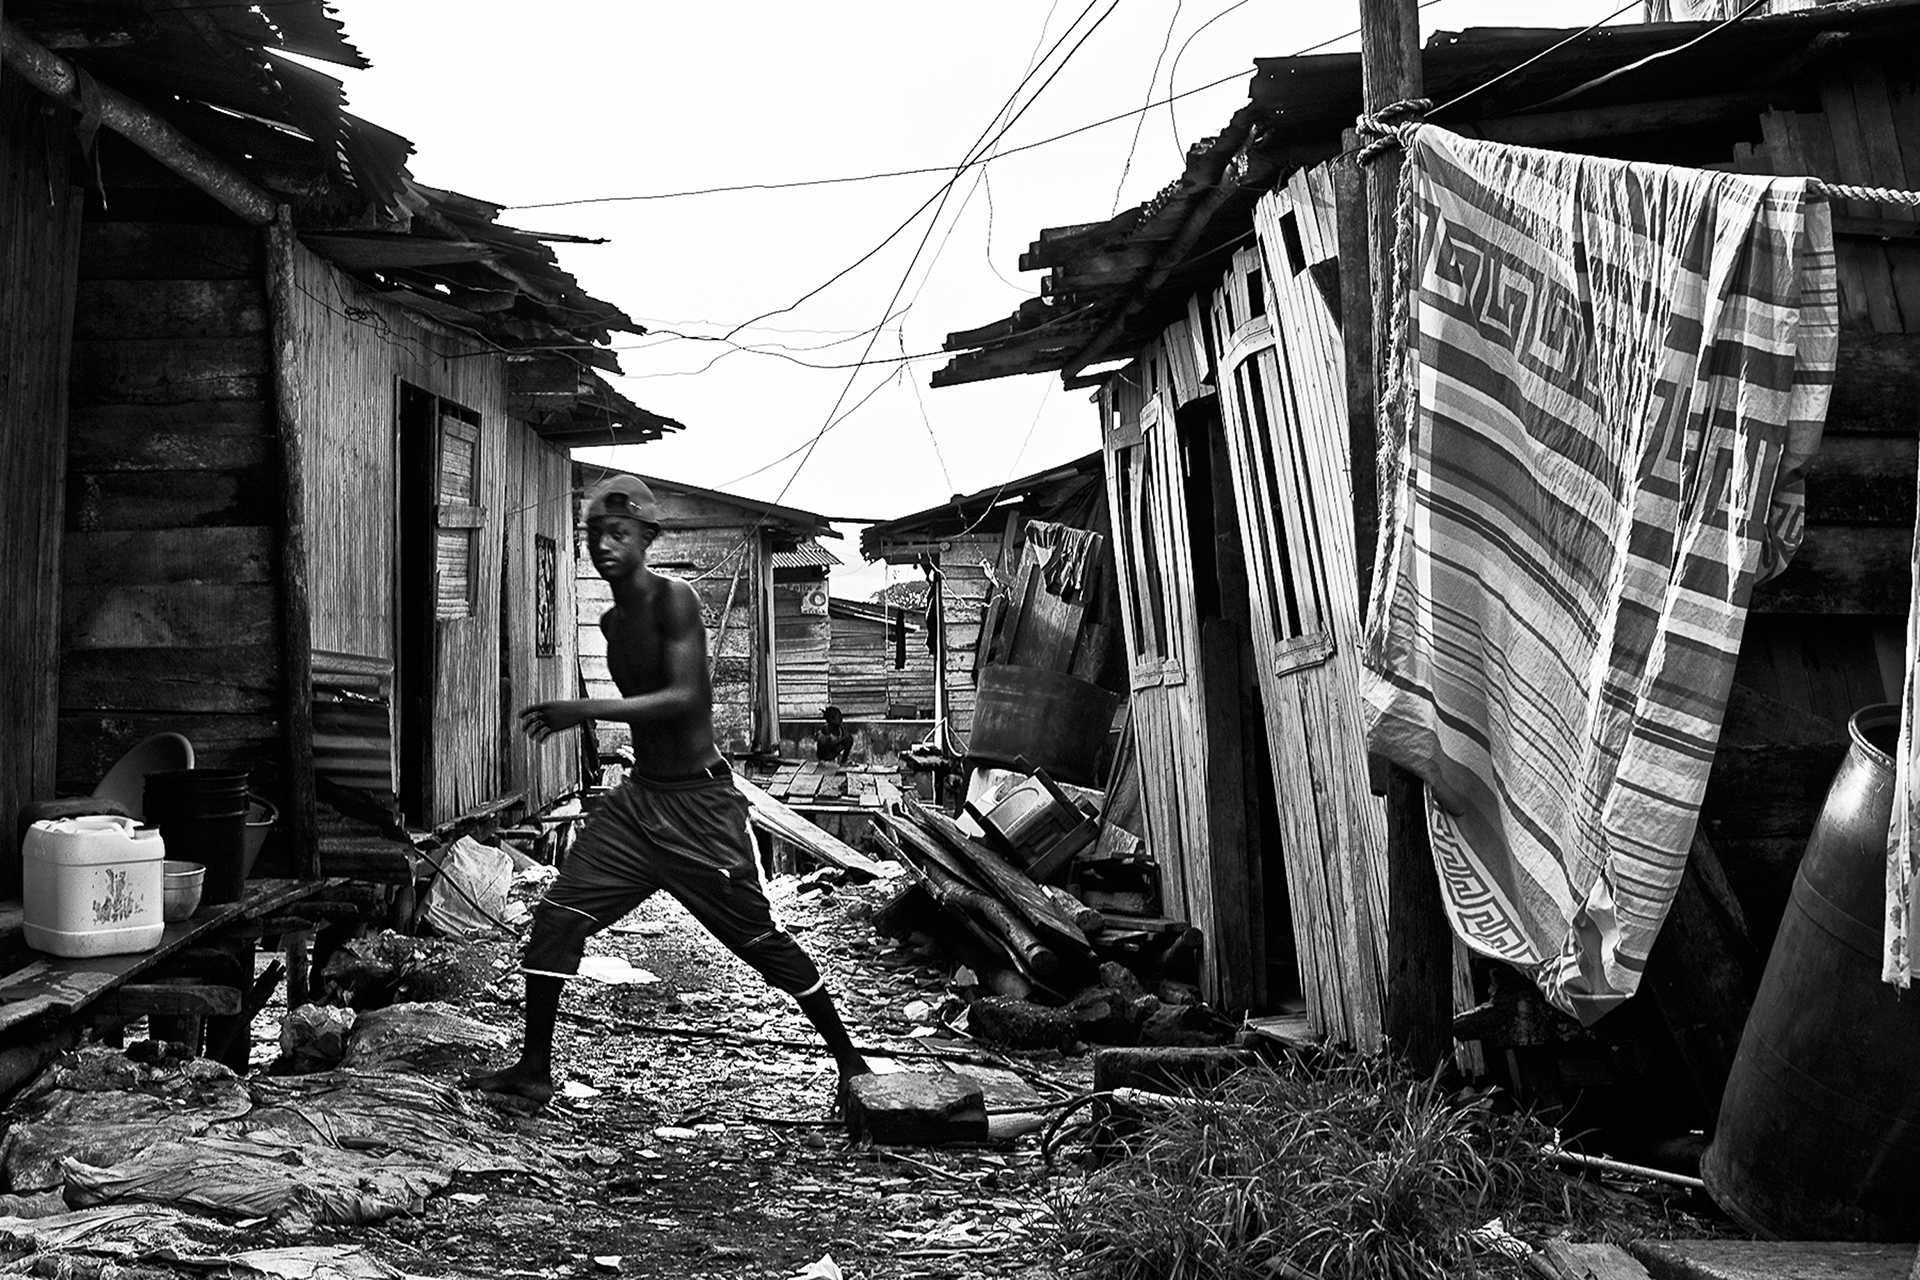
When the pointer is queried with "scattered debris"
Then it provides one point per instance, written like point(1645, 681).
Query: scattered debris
point(313, 1037)
point(616, 971)
point(372, 972)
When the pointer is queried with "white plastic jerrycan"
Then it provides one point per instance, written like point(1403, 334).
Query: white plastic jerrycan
point(92, 886)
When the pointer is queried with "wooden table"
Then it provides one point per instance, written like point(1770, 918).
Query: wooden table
point(40, 993)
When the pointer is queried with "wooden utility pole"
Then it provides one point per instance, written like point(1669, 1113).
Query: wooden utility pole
point(1419, 974)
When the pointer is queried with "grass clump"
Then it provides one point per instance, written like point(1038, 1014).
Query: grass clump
point(1351, 1171)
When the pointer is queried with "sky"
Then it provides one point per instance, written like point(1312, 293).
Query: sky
point(579, 100)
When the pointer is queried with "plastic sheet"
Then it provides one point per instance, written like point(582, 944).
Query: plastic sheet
point(262, 1175)
point(99, 1106)
point(418, 1035)
point(469, 897)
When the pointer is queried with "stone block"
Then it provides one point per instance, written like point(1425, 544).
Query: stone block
point(916, 1109)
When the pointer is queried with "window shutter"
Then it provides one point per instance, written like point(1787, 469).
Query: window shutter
point(457, 520)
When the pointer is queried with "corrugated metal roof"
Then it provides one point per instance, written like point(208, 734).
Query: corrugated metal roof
point(216, 71)
point(808, 555)
point(1057, 493)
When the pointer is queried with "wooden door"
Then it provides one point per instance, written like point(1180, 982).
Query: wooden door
point(1146, 489)
point(1283, 399)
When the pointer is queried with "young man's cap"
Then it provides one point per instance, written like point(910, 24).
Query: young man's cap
point(624, 496)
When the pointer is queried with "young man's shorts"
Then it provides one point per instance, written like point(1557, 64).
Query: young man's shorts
point(688, 836)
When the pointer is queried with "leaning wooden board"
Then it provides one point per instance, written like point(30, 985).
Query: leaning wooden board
point(776, 818)
point(53, 987)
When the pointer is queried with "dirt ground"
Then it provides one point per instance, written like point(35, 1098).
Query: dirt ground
point(689, 1145)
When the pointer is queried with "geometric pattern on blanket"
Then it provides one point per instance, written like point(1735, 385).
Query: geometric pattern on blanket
point(1615, 375)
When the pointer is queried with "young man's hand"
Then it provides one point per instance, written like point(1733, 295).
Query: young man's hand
point(544, 719)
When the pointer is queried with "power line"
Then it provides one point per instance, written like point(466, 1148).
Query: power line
point(899, 173)
point(968, 160)
point(806, 451)
point(1174, 70)
point(1153, 78)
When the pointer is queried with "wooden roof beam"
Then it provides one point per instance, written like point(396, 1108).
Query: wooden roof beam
point(57, 78)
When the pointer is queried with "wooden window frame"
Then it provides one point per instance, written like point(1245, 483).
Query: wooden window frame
point(1144, 490)
point(546, 596)
point(468, 518)
point(1285, 559)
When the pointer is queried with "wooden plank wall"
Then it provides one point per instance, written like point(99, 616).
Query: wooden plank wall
point(171, 609)
point(801, 642)
point(359, 349)
point(1827, 636)
point(538, 501)
point(710, 545)
point(39, 253)
point(862, 680)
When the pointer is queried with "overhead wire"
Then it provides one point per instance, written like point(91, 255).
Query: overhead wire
point(1172, 118)
point(967, 161)
point(733, 188)
point(806, 450)
point(1153, 78)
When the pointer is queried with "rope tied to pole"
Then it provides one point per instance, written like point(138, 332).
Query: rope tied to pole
point(1390, 126)
point(1395, 123)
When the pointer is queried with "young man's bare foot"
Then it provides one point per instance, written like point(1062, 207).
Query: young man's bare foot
point(843, 1095)
point(518, 1088)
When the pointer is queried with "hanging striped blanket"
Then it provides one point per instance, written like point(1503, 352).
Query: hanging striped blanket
point(1615, 373)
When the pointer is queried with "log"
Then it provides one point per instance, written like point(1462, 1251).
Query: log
point(1005, 881)
point(929, 851)
point(771, 816)
point(1084, 917)
point(991, 945)
point(1032, 955)
point(54, 77)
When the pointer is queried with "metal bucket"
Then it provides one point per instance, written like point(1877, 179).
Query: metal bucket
point(1054, 721)
point(1817, 1137)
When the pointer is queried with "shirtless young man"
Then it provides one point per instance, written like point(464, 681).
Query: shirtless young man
point(678, 823)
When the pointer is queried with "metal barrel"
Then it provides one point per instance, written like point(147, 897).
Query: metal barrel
point(1817, 1136)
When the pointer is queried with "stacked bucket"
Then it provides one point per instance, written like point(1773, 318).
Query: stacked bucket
point(202, 815)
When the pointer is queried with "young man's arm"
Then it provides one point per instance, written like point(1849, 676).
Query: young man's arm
point(683, 653)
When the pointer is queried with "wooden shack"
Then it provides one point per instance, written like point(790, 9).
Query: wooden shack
point(1228, 327)
point(299, 488)
point(726, 546)
point(967, 544)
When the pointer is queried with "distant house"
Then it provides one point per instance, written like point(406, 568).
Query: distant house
point(284, 431)
point(727, 547)
point(969, 542)
point(878, 664)
point(802, 629)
